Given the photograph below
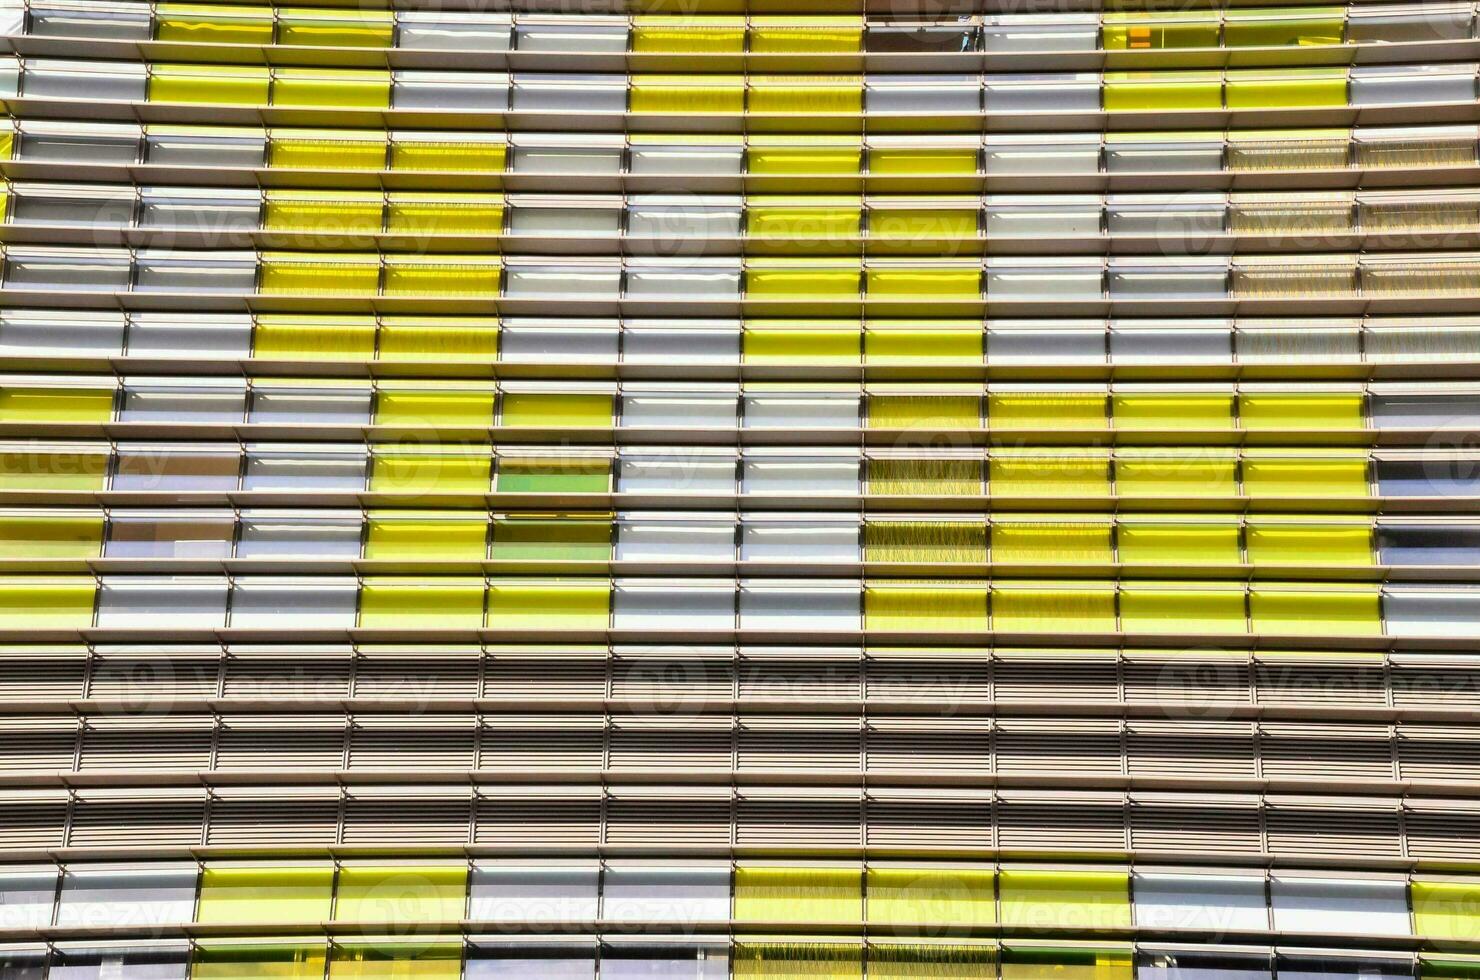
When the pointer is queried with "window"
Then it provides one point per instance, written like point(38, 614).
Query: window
point(252, 893)
point(453, 31)
point(1216, 903)
point(127, 895)
point(27, 892)
point(656, 893)
point(299, 536)
point(310, 603)
point(131, 961)
point(550, 893)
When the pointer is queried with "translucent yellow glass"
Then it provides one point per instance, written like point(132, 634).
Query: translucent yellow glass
point(332, 88)
point(80, 470)
point(696, 34)
point(460, 155)
point(924, 284)
point(426, 537)
point(1299, 410)
point(410, 407)
point(1446, 909)
point(406, 603)
point(1046, 410)
point(313, 337)
point(526, 474)
point(411, 473)
point(47, 536)
point(934, 541)
point(209, 84)
point(688, 93)
point(452, 276)
point(937, 960)
point(1147, 608)
point(319, 274)
point(1153, 30)
point(1053, 607)
point(1050, 541)
point(798, 894)
point(1314, 477)
point(210, 24)
point(438, 339)
point(925, 477)
point(7, 144)
point(18, 404)
point(336, 28)
point(1255, 88)
point(1309, 610)
point(800, 340)
point(1067, 963)
point(401, 893)
point(786, 161)
point(547, 537)
point(1178, 544)
point(924, 161)
point(565, 409)
point(809, 35)
point(803, 222)
point(944, 897)
point(564, 604)
point(216, 960)
point(309, 152)
point(924, 411)
point(1172, 476)
point(1324, 544)
point(805, 93)
point(396, 960)
point(794, 960)
point(1162, 410)
point(1297, 27)
point(340, 211)
point(1154, 91)
point(1051, 476)
point(781, 282)
point(39, 603)
point(1081, 900)
point(438, 214)
point(265, 894)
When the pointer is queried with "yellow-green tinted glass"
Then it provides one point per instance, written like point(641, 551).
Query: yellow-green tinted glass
point(1065, 899)
point(265, 894)
point(442, 536)
point(385, 603)
point(220, 960)
point(798, 894)
point(563, 604)
point(36, 536)
point(395, 893)
point(27, 404)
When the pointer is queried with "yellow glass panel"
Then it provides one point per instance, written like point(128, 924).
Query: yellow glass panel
point(688, 93)
point(1173, 476)
point(1298, 27)
point(550, 409)
point(425, 537)
point(922, 340)
point(787, 161)
point(19, 404)
point(948, 607)
point(1178, 544)
point(428, 275)
point(461, 155)
point(925, 284)
point(557, 537)
point(438, 339)
point(396, 960)
point(410, 473)
point(938, 960)
point(38, 603)
point(325, 152)
point(1046, 410)
point(1340, 611)
point(1052, 607)
point(1314, 477)
point(803, 222)
point(1274, 88)
point(553, 474)
point(1159, 410)
point(438, 214)
point(698, 34)
point(257, 894)
point(336, 28)
point(1044, 541)
point(1066, 963)
point(214, 960)
point(211, 84)
point(1301, 410)
point(1146, 608)
point(1142, 31)
point(915, 224)
point(433, 407)
point(794, 960)
point(800, 340)
point(1446, 909)
point(333, 88)
point(934, 541)
point(311, 337)
point(81, 470)
point(924, 161)
point(925, 477)
point(340, 211)
point(51, 536)
point(7, 144)
point(442, 603)
point(808, 35)
point(800, 281)
point(1325, 544)
point(210, 24)
point(951, 898)
point(563, 604)
point(924, 412)
point(798, 894)
point(402, 893)
point(319, 275)
point(1052, 476)
point(1065, 899)
point(806, 93)
point(1152, 91)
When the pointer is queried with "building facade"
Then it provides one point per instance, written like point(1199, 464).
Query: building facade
point(680, 491)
